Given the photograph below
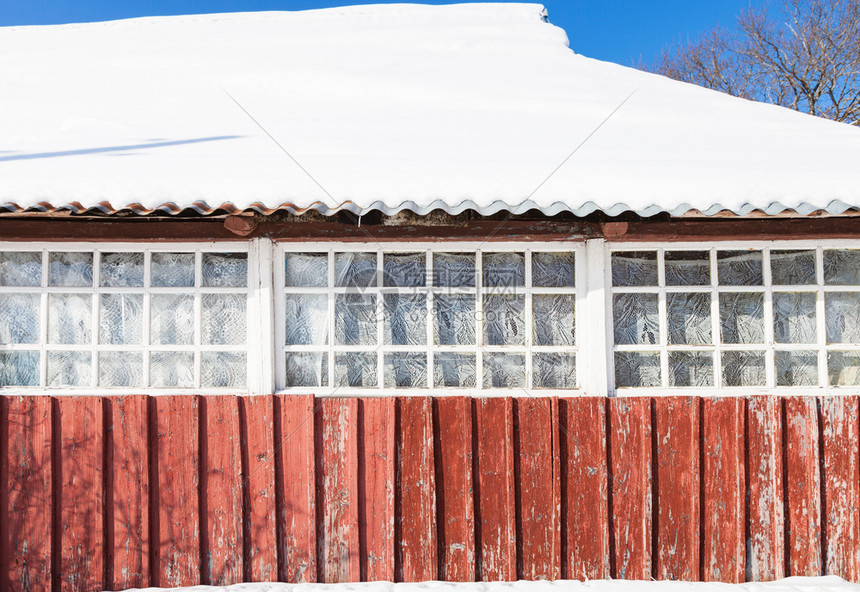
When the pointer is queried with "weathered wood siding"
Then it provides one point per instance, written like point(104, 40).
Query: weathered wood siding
point(120, 492)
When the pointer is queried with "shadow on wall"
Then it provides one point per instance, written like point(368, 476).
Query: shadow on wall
point(108, 149)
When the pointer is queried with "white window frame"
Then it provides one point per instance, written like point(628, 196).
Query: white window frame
point(252, 349)
point(594, 323)
point(479, 349)
point(769, 347)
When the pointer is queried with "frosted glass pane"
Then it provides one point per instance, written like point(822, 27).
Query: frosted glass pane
point(224, 319)
point(225, 270)
point(792, 268)
point(454, 269)
point(121, 369)
point(742, 317)
point(172, 270)
point(69, 368)
point(553, 371)
point(223, 369)
point(554, 319)
point(796, 368)
point(504, 370)
point(739, 268)
point(504, 321)
point(306, 319)
point(843, 368)
point(19, 318)
point(689, 318)
point(405, 317)
point(172, 319)
point(355, 319)
point(635, 318)
point(454, 370)
point(354, 270)
point(355, 369)
point(637, 369)
point(688, 268)
point(691, 368)
point(743, 368)
point(121, 319)
point(404, 269)
point(19, 368)
point(306, 269)
point(842, 317)
point(71, 270)
point(794, 317)
point(171, 370)
point(70, 318)
point(21, 268)
point(121, 269)
point(405, 370)
point(634, 268)
point(553, 270)
point(504, 269)
point(454, 316)
point(842, 267)
point(307, 369)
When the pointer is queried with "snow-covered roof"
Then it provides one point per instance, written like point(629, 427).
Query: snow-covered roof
point(387, 107)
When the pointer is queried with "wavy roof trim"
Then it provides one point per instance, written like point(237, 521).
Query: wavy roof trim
point(390, 107)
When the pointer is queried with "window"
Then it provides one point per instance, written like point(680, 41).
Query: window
point(454, 318)
point(124, 317)
point(483, 319)
point(725, 317)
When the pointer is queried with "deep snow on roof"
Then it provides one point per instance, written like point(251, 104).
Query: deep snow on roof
point(387, 107)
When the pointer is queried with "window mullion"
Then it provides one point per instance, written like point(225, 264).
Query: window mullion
point(662, 319)
point(198, 317)
point(716, 338)
point(820, 321)
point(597, 357)
point(260, 337)
point(770, 355)
point(43, 326)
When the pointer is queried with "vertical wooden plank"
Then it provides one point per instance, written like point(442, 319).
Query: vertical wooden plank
point(376, 452)
point(26, 521)
point(4, 493)
point(678, 488)
point(81, 502)
point(221, 486)
point(337, 504)
point(176, 455)
point(128, 501)
point(258, 463)
point(296, 458)
point(723, 524)
point(584, 481)
point(539, 556)
point(556, 488)
point(803, 486)
point(416, 556)
point(630, 459)
point(454, 493)
point(841, 486)
point(496, 511)
point(766, 542)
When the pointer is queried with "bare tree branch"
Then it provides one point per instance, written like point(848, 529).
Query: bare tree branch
point(804, 55)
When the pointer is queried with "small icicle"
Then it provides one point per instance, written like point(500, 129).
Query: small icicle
point(359, 220)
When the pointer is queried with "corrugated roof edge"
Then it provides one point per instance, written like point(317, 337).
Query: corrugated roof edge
point(834, 208)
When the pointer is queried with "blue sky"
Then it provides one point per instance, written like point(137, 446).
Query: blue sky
point(622, 31)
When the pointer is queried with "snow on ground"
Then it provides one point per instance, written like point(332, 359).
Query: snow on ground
point(388, 106)
point(794, 584)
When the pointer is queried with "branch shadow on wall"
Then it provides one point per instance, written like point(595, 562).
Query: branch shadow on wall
point(114, 149)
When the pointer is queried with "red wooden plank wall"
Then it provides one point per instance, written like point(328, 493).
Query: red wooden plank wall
point(121, 492)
